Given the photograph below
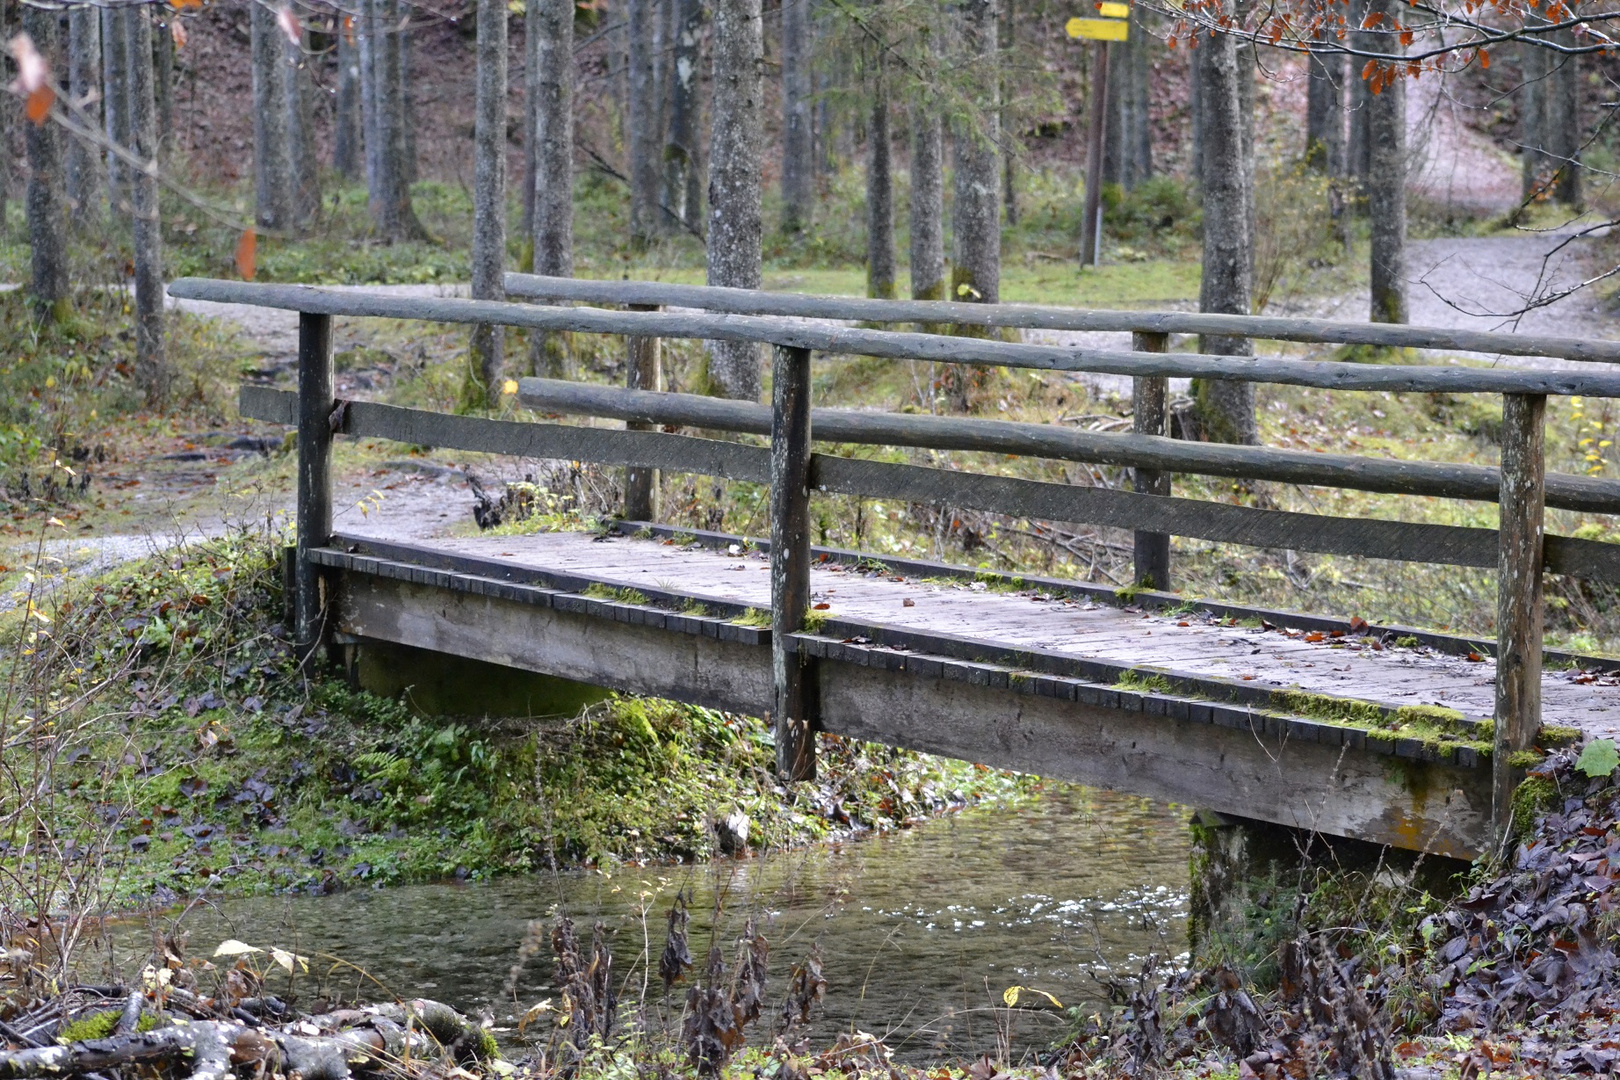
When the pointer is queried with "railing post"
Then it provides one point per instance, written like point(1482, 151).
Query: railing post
point(790, 562)
point(314, 511)
point(642, 372)
point(1149, 398)
point(1519, 607)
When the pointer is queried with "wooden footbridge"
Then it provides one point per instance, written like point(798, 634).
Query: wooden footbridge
point(1306, 721)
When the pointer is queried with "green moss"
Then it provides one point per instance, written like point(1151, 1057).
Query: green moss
point(1533, 798)
point(694, 609)
point(621, 595)
point(1407, 641)
point(1558, 735)
point(1143, 683)
point(755, 617)
point(100, 1025)
point(1334, 710)
point(1525, 759)
point(1440, 719)
point(815, 620)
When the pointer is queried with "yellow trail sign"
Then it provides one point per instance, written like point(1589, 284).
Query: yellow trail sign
point(1098, 29)
point(1108, 9)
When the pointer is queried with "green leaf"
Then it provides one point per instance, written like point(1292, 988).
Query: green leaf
point(1599, 759)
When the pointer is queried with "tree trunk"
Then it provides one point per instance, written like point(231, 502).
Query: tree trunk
point(489, 193)
point(1226, 409)
point(371, 97)
point(735, 227)
point(531, 37)
point(1533, 62)
point(879, 191)
point(1009, 163)
point(1386, 184)
point(1324, 113)
point(115, 98)
point(554, 166)
point(1564, 122)
point(1195, 106)
point(1358, 144)
point(1116, 136)
point(646, 220)
point(393, 214)
point(304, 167)
point(1141, 95)
point(927, 203)
point(682, 192)
point(163, 85)
point(977, 206)
point(84, 85)
point(798, 143)
point(407, 99)
point(346, 142)
point(151, 367)
point(272, 175)
point(47, 218)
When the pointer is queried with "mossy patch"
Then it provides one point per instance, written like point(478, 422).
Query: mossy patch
point(101, 1025)
point(620, 595)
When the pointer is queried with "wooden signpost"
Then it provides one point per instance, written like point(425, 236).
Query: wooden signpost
point(1113, 25)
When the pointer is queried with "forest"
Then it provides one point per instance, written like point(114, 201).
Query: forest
point(229, 853)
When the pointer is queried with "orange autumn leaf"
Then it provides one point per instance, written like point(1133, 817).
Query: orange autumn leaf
point(182, 5)
point(246, 254)
point(177, 30)
point(348, 29)
point(38, 106)
point(1484, 58)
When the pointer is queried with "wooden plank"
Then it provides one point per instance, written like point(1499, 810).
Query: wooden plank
point(1142, 450)
point(1029, 317)
point(790, 562)
point(1520, 614)
point(1148, 407)
point(314, 499)
point(854, 341)
point(642, 372)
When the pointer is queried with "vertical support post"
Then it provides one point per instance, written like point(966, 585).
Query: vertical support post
point(790, 561)
point(314, 509)
point(1149, 400)
point(1519, 605)
point(642, 372)
point(1096, 129)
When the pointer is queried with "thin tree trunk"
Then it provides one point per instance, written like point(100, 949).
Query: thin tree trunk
point(489, 193)
point(798, 143)
point(163, 85)
point(346, 141)
point(1195, 106)
point(47, 217)
point(1564, 121)
point(1226, 409)
point(1141, 95)
point(393, 214)
point(879, 191)
point(151, 366)
point(407, 99)
point(977, 205)
point(1009, 163)
point(1324, 113)
point(304, 168)
point(554, 166)
point(646, 220)
point(115, 75)
point(1358, 143)
point(1116, 136)
point(371, 98)
point(927, 203)
point(531, 38)
point(735, 227)
point(682, 193)
point(1386, 184)
point(84, 85)
point(272, 176)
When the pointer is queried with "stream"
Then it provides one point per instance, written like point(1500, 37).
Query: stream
point(920, 930)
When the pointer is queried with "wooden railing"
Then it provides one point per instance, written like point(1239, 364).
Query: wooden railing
point(1518, 549)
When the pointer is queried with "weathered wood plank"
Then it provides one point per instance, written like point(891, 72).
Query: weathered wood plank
point(795, 686)
point(1148, 407)
point(849, 341)
point(314, 498)
point(858, 309)
point(1520, 614)
point(1143, 450)
point(642, 372)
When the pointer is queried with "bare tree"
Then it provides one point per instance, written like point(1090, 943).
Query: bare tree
point(115, 99)
point(734, 239)
point(346, 141)
point(1386, 177)
point(683, 191)
point(1226, 408)
point(879, 190)
point(391, 209)
point(489, 193)
point(646, 220)
point(554, 164)
point(272, 170)
point(151, 365)
point(977, 202)
point(47, 218)
point(84, 86)
point(798, 145)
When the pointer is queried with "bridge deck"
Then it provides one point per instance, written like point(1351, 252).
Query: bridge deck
point(1030, 623)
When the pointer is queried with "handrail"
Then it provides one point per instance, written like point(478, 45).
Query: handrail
point(1437, 479)
point(1324, 375)
point(1032, 317)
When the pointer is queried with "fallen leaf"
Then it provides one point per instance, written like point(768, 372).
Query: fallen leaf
point(1315, 635)
point(247, 254)
point(232, 947)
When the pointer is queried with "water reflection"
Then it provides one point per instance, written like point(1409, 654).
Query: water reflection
point(920, 931)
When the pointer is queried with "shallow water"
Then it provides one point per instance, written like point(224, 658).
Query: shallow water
point(920, 931)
